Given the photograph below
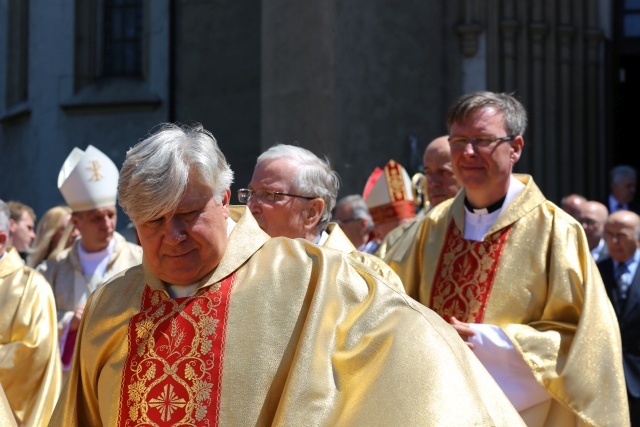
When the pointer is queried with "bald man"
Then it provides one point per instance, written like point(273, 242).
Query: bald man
point(622, 281)
point(571, 204)
point(593, 216)
point(442, 184)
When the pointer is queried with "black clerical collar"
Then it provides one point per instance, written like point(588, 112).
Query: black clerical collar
point(489, 209)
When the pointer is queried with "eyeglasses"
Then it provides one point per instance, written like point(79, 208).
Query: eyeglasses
point(264, 196)
point(345, 221)
point(460, 142)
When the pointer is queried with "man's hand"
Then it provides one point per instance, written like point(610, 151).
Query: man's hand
point(75, 320)
point(464, 330)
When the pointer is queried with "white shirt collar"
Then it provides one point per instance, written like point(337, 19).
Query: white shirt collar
point(476, 225)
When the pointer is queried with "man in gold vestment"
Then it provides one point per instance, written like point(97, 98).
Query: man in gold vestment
point(513, 274)
point(292, 193)
point(30, 372)
point(223, 325)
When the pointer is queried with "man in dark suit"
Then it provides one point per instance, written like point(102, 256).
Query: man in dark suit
point(593, 216)
point(622, 280)
point(623, 180)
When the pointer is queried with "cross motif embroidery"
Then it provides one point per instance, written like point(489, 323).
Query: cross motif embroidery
point(173, 369)
point(167, 402)
point(95, 171)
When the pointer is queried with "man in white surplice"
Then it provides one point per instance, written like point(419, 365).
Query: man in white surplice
point(88, 182)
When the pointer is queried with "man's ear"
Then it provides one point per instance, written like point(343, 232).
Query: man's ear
point(516, 146)
point(12, 226)
point(226, 200)
point(75, 219)
point(313, 213)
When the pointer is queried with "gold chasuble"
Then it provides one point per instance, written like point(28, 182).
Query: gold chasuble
point(6, 415)
point(282, 332)
point(30, 372)
point(533, 277)
point(339, 241)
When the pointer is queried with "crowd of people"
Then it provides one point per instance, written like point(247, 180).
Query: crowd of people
point(485, 305)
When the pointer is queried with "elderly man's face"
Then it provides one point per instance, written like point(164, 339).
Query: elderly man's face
point(624, 190)
point(181, 247)
point(619, 234)
point(573, 204)
point(286, 215)
point(484, 172)
point(96, 226)
point(354, 228)
point(441, 182)
point(22, 233)
point(593, 216)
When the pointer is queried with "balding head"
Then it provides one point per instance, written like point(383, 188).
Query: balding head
point(571, 204)
point(441, 182)
point(622, 234)
point(593, 216)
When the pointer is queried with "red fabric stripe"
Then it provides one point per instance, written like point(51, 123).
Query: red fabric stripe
point(173, 369)
point(465, 274)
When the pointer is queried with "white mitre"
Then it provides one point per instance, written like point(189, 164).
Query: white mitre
point(88, 180)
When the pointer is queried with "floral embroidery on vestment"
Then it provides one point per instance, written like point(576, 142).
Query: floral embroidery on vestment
point(174, 365)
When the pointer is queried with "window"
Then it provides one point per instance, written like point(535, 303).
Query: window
point(109, 41)
point(122, 39)
point(17, 52)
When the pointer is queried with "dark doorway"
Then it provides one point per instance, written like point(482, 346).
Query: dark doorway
point(626, 84)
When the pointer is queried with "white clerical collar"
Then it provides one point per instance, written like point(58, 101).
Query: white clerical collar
point(321, 238)
point(182, 291)
point(479, 221)
point(231, 224)
point(4, 255)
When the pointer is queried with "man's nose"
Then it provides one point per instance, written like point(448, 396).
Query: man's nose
point(469, 149)
point(253, 204)
point(174, 232)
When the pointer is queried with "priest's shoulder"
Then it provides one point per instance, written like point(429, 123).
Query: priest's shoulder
point(121, 284)
point(300, 249)
point(37, 280)
point(560, 216)
point(303, 252)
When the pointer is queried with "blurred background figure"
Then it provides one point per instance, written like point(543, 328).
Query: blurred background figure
point(593, 217)
point(622, 182)
point(21, 226)
point(621, 280)
point(388, 194)
point(30, 374)
point(352, 215)
point(55, 232)
point(572, 203)
point(442, 184)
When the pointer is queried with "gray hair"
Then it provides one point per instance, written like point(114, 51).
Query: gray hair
point(515, 115)
point(358, 206)
point(156, 171)
point(313, 178)
point(5, 214)
point(622, 171)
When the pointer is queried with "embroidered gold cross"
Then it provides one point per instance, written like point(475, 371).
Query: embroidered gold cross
point(167, 402)
point(95, 170)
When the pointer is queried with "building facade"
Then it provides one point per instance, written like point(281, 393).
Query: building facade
point(360, 81)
